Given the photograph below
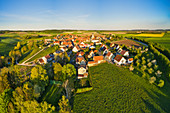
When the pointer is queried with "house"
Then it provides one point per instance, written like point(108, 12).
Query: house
point(80, 60)
point(41, 61)
point(124, 53)
point(56, 43)
point(105, 51)
point(119, 50)
point(98, 59)
point(91, 54)
point(119, 60)
point(76, 49)
point(130, 60)
point(116, 46)
point(81, 53)
point(58, 52)
point(82, 72)
point(92, 47)
point(109, 55)
point(112, 45)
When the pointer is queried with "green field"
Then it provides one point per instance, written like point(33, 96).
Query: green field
point(52, 94)
point(6, 44)
point(44, 53)
point(115, 89)
point(164, 41)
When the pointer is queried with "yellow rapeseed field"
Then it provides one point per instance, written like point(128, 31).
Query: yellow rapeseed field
point(151, 35)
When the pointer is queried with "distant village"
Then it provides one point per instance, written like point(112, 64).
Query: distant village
point(97, 52)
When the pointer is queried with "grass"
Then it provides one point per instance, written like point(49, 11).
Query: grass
point(44, 53)
point(52, 94)
point(28, 54)
point(115, 89)
point(6, 44)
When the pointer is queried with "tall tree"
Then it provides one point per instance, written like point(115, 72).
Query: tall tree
point(57, 71)
point(68, 71)
point(64, 105)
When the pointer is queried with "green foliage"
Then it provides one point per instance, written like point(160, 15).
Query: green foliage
point(39, 75)
point(52, 94)
point(5, 98)
point(161, 83)
point(82, 90)
point(57, 71)
point(64, 105)
point(68, 71)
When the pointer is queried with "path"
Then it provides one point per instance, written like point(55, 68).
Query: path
point(28, 64)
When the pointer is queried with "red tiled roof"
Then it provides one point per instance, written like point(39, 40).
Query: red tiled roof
point(118, 58)
point(123, 52)
point(41, 60)
point(130, 59)
point(47, 56)
point(96, 58)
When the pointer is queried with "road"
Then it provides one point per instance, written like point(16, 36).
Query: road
point(28, 64)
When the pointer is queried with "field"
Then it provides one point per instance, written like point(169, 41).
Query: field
point(164, 41)
point(6, 44)
point(52, 94)
point(115, 89)
point(128, 43)
point(151, 35)
point(44, 52)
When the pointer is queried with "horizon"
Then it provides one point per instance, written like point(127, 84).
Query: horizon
point(84, 15)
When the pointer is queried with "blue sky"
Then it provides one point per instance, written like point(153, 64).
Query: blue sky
point(84, 14)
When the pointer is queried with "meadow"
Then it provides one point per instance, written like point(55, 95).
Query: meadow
point(6, 44)
point(116, 89)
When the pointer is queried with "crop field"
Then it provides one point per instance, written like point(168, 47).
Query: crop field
point(128, 43)
point(52, 94)
point(151, 35)
point(164, 41)
point(115, 89)
point(6, 44)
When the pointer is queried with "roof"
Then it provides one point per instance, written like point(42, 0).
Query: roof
point(41, 60)
point(118, 58)
point(82, 53)
point(109, 53)
point(96, 58)
point(92, 62)
point(130, 59)
point(47, 56)
point(79, 59)
point(123, 52)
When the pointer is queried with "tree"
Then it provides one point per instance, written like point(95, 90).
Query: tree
point(150, 70)
point(161, 83)
point(57, 71)
point(39, 75)
point(68, 71)
point(152, 80)
point(64, 105)
point(35, 107)
point(5, 98)
point(4, 83)
point(18, 45)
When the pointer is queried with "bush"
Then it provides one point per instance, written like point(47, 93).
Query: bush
point(161, 83)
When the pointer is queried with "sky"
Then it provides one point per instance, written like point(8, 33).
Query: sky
point(84, 14)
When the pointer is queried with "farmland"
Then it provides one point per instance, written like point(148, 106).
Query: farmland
point(128, 42)
point(6, 44)
point(164, 41)
point(119, 90)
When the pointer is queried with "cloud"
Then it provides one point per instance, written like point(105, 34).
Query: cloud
point(21, 17)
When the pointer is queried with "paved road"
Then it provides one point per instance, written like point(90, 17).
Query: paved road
point(28, 64)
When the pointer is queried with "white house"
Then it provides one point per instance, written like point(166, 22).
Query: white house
point(119, 60)
point(125, 53)
point(109, 55)
point(76, 49)
point(82, 72)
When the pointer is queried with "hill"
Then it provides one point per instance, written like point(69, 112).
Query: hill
point(115, 89)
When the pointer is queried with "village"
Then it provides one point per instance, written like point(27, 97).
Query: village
point(86, 52)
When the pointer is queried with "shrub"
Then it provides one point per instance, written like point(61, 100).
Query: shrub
point(161, 83)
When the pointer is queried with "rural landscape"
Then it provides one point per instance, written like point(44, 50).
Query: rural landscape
point(53, 61)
